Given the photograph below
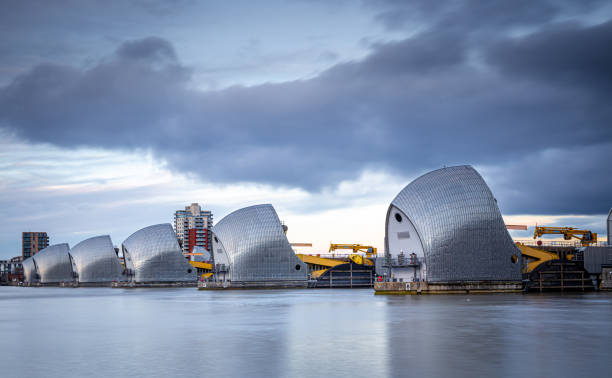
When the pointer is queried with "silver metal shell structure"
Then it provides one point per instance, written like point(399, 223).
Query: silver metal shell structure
point(153, 254)
point(30, 273)
point(256, 246)
point(456, 227)
point(95, 260)
point(609, 230)
point(54, 264)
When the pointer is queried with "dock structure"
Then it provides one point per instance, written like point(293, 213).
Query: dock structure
point(350, 271)
point(563, 267)
point(461, 287)
point(606, 279)
point(348, 275)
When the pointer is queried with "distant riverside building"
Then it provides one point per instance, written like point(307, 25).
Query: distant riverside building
point(11, 270)
point(192, 227)
point(32, 242)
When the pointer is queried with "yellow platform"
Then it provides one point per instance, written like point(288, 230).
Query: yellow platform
point(201, 265)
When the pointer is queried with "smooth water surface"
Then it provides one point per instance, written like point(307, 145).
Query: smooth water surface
point(103, 332)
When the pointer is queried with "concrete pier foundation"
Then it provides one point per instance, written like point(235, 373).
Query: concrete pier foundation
point(414, 288)
point(229, 285)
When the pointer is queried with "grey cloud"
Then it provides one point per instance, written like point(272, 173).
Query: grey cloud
point(328, 56)
point(573, 180)
point(471, 15)
point(565, 53)
point(161, 8)
point(151, 48)
point(68, 106)
point(409, 106)
point(425, 53)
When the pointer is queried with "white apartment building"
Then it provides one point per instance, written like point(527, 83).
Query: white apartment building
point(192, 227)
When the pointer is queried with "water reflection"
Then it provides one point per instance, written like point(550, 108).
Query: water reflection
point(500, 335)
point(335, 333)
point(96, 332)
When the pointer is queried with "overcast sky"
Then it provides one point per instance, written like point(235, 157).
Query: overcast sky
point(115, 114)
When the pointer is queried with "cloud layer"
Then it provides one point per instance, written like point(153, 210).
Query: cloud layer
point(522, 94)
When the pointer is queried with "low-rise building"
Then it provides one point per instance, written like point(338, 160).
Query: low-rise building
point(11, 270)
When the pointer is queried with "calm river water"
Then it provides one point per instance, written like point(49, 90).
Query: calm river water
point(99, 332)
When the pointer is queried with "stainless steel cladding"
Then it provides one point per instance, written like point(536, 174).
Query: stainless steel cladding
point(54, 264)
point(257, 248)
point(457, 227)
point(595, 258)
point(153, 254)
point(609, 231)
point(95, 260)
point(30, 274)
point(221, 261)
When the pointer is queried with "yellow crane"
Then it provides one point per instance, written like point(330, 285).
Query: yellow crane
point(586, 237)
point(356, 248)
point(367, 249)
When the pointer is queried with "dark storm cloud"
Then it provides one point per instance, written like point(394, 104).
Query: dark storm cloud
point(574, 180)
point(470, 15)
point(409, 106)
point(423, 54)
point(112, 103)
point(565, 53)
point(152, 48)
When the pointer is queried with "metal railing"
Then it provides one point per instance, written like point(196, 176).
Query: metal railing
point(336, 255)
point(556, 243)
point(402, 262)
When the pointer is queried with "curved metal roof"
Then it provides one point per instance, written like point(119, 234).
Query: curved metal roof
point(257, 247)
point(154, 255)
point(30, 273)
point(609, 228)
point(461, 228)
point(95, 260)
point(54, 265)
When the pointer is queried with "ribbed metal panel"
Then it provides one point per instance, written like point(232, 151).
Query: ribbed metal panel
point(153, 255)
point(54, 265)
point(29, 270)
point(596, 257)
point(95, 260)
point(461, 228)
point(257, 247)
point(609, 231)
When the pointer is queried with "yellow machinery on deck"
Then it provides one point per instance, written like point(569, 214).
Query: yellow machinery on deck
point(367, 249)
point(201, 265)
point(586, 237)
point(356, 248)
point(535, 257)
point(318, 265)
point(205, 268)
